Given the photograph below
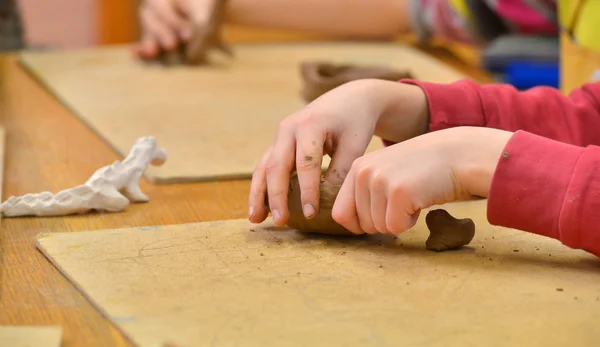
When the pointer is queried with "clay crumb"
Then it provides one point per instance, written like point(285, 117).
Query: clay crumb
point(559, 289)
point(516, 250)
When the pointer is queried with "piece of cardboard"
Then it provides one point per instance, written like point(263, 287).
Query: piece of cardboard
point(30, 336)
point(215, 121)
point(229, 283)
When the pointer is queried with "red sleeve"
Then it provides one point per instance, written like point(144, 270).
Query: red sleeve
point(548, 180)
point(548, 188)
point(544, 111)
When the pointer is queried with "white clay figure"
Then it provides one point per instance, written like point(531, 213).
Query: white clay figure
point(110, 189)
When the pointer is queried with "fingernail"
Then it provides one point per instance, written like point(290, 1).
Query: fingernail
point(276, 216)
point(251, 211)
point(308, 210)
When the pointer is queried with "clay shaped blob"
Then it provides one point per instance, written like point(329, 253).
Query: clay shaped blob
point(321, 77)
point(322, 222)
point(109, 189)
point(204, 38)
point(447, 232)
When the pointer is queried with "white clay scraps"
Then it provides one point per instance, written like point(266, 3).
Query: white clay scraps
point(110, 189)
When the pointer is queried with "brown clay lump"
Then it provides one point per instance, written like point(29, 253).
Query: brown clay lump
point(321, 77)
point(204, 39)
point(322, 223)
point(447, 232)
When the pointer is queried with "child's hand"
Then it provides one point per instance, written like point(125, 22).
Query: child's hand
point(385, 190)
point(165, 23)
point(340, 123)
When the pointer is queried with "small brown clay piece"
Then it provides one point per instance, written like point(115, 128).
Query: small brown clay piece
point(447, 232)
point(321, 77)
point(204, 39)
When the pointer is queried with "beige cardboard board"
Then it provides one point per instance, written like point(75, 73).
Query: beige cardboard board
point(215, 121)
point(228, 283)
point(30, 336)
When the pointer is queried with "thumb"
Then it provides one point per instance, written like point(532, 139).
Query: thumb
point(347, 150)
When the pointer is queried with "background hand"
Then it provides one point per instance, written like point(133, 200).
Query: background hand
point(165, 23)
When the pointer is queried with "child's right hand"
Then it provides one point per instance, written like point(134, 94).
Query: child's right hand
point(165, 23)
point(340, 123)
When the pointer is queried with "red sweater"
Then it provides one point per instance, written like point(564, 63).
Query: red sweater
point(549, 183)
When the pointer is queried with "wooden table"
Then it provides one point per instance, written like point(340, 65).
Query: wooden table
point(48, 148)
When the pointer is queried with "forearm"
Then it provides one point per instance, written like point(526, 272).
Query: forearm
point(360, 19)
point(548, 188)
point(544, 111)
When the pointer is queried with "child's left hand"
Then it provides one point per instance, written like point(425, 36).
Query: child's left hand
point(385, 190)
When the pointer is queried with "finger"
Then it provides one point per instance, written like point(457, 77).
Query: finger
point(362, 192)
point(346, 152)
point(197, 12)
point(379, 205)
point(278, 168)
point(147, 47)
point(257, 211)
point(344, 207)
point(167, 14)
point(158, 30)
point(400, 214)
point(309, 159)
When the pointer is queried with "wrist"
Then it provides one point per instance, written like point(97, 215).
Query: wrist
point(477, 156)
point(405, 112)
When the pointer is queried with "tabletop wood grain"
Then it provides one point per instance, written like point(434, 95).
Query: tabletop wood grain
point(49, 149)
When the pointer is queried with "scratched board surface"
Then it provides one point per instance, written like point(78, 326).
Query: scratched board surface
point(230, 283)
point(215, 121)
